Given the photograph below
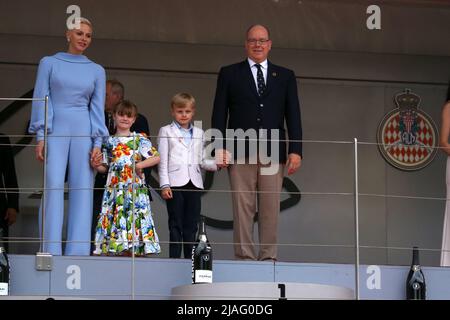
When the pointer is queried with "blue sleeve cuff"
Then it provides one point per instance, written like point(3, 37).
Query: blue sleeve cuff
point(98, 143)
point(40, 135)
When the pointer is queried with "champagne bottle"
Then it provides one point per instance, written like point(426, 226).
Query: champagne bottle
point(202, 257)
point(415, 282)
point(4, 268)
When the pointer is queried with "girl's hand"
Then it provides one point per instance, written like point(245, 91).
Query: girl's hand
point(39, 150)
point(139, 170)
point(101, 168)
point(166, 193)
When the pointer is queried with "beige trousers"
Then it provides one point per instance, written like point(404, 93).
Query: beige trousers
point(254, 191)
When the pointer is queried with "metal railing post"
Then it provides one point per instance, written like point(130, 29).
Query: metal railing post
point(44, 259)
point(133, 226)
point(356, 222)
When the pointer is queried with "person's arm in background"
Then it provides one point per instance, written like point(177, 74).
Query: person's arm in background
point(445, 128)
point(10, 180)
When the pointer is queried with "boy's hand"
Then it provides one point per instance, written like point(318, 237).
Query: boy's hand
point(226, 157)
point(166, 193)
point(222, 158)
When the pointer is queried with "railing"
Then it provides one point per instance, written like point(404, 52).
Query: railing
point(355, 194)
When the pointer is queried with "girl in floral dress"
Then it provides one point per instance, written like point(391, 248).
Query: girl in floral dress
point(117, 224)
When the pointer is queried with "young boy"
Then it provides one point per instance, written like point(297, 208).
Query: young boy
point(181, 148)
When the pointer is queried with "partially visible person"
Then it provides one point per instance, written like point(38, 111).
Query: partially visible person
point(125, 221)
point(258, 96)
point(181, 146)
point(115, 92)
point(76, 126)
point(444, 143)
point(9, 196)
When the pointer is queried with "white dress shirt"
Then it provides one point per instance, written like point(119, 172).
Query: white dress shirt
point(254, 69)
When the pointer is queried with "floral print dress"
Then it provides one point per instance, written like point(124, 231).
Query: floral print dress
point(122, 197)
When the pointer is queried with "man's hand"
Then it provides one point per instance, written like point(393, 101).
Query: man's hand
point(294, 162)
point(166, 193)
point(39, 150)
point(11, 216)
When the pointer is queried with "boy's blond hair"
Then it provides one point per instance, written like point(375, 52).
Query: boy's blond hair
point(182, 100)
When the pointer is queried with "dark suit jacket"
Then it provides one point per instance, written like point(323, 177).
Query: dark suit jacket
point(237, 104)
point(8, 180)
point(141, 125)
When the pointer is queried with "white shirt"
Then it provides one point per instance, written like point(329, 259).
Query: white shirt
point(254, 69)
point(186, 133)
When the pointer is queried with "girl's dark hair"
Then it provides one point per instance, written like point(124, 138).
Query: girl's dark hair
point(126, 107)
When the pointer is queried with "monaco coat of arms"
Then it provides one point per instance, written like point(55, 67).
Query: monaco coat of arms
point(407, 136)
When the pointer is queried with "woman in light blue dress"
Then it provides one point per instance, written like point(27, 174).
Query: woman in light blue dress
point(76, 89)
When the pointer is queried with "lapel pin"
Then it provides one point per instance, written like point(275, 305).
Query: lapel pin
point(274, 74)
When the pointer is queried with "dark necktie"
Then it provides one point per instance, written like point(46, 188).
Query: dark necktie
point(260, 80)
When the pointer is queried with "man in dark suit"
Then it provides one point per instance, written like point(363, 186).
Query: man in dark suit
point(115, 93)
point(251, 96)
point(9, 197)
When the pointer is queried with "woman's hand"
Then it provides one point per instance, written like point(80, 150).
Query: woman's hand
point(96, 157)
point(39, 150)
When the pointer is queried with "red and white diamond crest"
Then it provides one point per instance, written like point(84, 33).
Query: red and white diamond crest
point(407, 136)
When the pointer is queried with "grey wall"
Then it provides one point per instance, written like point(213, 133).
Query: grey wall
point(347, 77)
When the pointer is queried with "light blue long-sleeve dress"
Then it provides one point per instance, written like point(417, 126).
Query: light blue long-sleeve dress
point(75, 121)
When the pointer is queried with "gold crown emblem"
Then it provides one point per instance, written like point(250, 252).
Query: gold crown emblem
point(407, 100)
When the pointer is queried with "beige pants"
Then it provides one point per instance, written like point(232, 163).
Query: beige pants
point(252, 192)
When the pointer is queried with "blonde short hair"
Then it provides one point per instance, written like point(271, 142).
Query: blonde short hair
point(182, 100)
point(85, 21)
